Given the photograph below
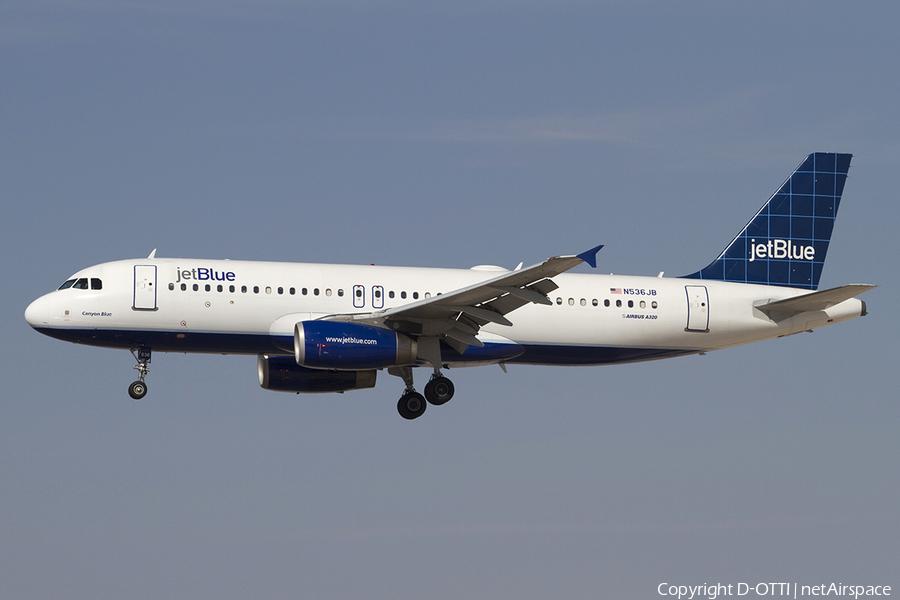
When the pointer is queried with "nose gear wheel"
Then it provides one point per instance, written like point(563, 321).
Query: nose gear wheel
point(137, 390)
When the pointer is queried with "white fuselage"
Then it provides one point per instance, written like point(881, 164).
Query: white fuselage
point(223, 306)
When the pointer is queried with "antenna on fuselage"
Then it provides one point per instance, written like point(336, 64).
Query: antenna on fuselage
point(152, 254)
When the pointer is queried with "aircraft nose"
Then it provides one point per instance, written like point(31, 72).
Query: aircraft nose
point(38, 312)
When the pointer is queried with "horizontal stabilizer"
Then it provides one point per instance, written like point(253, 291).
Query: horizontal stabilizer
point(778, 310)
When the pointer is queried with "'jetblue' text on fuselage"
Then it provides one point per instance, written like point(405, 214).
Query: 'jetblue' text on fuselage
point(204, 274)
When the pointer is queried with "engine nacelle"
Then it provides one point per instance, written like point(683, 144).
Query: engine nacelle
point(350, 346)
point(282, 374)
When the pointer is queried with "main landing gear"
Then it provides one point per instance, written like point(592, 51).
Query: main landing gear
point(138, 389)
point(439, 390)
point(412, 404)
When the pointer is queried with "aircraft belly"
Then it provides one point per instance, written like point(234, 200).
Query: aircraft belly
point(567, 355)
point(159, 340)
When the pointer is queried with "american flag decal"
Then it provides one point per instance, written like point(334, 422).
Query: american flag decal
point(615, 290)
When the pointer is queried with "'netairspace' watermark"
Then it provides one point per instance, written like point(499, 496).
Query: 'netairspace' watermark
point(795, 590)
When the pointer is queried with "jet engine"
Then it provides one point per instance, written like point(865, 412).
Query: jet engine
point(283, 374)
point(350, 346)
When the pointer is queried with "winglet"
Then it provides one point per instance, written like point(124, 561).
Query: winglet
point(590, 257)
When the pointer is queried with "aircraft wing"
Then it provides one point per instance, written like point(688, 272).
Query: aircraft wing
point(460, 314)
point(778, 310)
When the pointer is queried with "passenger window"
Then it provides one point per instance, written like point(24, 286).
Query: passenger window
point(415, 295)
point(631, 304)
point(391, 294)
point(654, 304)
point(96, 284)
point(81, 284)
point(292, 291)
point(171, 286)
point(594, 302)
point(583, 302)
point(207, 287)
point(280, 291)
point(328, 291)
point(403, 295)
point(255, 289)
point(196, 287)
point(341, 293)
point(643, 304)
point(606, 302)
point(358, 293)
point(219, 288)
point(618, 304)
point(315, 291)
point(231, 288)
point(571, 301)
point(243, 289)
point(558, 301)
point(69, 283)
point(268, 289)
point(183, 287)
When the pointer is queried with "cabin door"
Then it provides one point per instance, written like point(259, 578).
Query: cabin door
point(144, 287)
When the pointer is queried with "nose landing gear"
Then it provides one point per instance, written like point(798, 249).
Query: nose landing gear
point(138, 389)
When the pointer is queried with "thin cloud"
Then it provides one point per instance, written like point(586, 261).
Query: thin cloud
point(651, 126)
point(724, 130)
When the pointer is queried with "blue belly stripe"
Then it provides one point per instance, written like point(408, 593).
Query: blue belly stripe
point(263, 343)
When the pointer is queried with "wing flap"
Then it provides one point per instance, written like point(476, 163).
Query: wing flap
point(526, 294)
point(466, 339)
point(484, 314)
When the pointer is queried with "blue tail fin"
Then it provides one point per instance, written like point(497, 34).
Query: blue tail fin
point(786, 242)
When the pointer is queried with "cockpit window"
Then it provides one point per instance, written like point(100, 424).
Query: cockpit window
point(96, 284)
point(81, 284)
point(66, 285)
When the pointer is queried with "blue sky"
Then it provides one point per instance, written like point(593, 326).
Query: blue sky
point(443, 135)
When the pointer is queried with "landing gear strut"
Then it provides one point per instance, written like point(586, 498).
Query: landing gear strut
point(138, 389)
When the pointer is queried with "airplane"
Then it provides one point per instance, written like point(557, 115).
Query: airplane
point(319, 328)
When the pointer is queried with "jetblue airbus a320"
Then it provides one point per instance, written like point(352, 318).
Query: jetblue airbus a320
point(331, 328)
